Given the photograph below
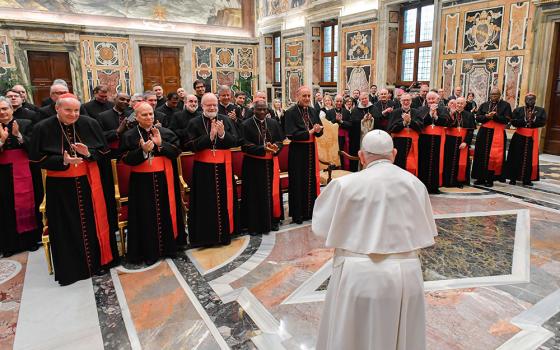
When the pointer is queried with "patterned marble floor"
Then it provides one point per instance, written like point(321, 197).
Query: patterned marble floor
point(492, 281)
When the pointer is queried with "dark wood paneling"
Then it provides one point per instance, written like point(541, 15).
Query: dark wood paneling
point(552, 140)
point(160, 65)
point(44, 67)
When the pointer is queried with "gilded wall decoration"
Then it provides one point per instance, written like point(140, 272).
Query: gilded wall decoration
point(106, 61)
point(293, 81)
point(224, 57)
point(392, 38)
point(358, 78)
point(451, 34)
point(224, 67)
point(269, 59)
point(483, 29)
point(518, 14)
point(6, 51)
point(277, 7)
point(294, 53)
point(358, 45)
point(448, 76)
point(479, 77)
point(512, 79)
point(316, 45)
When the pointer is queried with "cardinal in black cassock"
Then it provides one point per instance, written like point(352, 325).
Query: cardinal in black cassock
point(364, 110)
point(431, 143)
point(81, 208)
point(490, 144)
point(212, 196)
point(405, 127)
point(262, 208)
point(523, 154)
point(458, 138)
point(19, 198)
point(342, 117)
point(302, 126)
point(155, 222)
point(382, 110)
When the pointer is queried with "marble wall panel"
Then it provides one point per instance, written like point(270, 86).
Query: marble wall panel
point(225, 77)
point(12, 275)
point(6, 51)
point(358, 61)
point(479, 77)
point(293, 53)
point(358, 78)
point(392, 38)
point(448, 77)
point(316, 46)
point(358, 45)
point(451, 33)
point(512, 79)
point(106, 60)
point(225, 57)
point(294, 79)
point(518, 16)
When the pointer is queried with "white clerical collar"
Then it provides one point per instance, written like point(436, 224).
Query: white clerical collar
point(377, 162)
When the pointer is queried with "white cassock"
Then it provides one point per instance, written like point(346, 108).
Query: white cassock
point(374, 301)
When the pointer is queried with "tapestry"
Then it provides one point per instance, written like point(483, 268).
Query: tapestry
point(483, 29)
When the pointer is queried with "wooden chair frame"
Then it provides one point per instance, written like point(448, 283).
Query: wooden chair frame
point(45, 236)
point(119, 201)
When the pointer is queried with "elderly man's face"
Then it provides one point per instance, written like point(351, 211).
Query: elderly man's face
point(210, 107)
point(6, 112)
point(384, 95)
point(58, 90)
point(135, 100)
point(15, 99)
point(460, 103)
point(432, 98)
point(338, 102)
point(260, 110)
point(530, 100)
point(181, 92)
point(20, 90)
point(495, 95)
point(192, 103)
point(304, 97)
point(225, 97)
point(318, 97)
point(458, 91)
point(68, 111)
point(406, 101)
point(122, 101)
point(356, 93)
point(145, 116)
point(364, 99)
point(152, 100)
point(424, 91)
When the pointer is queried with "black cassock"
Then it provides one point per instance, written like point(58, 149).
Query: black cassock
point(70, 212)
point(345, 126)
point(94, 107)
point(382, 120)
point(302, 161)
point(225, 110)
point(208, 219)
point(256, 194)
point(110, 121)
point(356, 117)
point(12, 239)
point(150, 228)
point(178, 124)
point(483, 150)
point(168, 111)
point(404, 144)
point(462, 122)
point(519, 165)
point(429, 147)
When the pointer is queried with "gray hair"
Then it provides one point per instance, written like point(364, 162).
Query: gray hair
point(148, 93)
point(60, 82)
point(223, 88)
point(8, 102)
point(138, 94)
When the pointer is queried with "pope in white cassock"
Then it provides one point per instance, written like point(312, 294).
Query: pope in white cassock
point(376, 220)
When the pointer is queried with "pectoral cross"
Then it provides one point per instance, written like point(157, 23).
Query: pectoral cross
point(150, 157)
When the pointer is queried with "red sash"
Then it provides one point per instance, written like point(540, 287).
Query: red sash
point(344, 133)
point(534, 133)
point(463, 153)
point(114, 144)
point(162, 164)
point(497, 148)
point(276, 210)
point(435, 130)
point(317, 170)
point(24, 198)
point(221, 156)
point(91, 170)
point(412, 156)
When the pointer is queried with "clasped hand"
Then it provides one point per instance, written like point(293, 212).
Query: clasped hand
point(316, 129)
point(216, 129)
point(271, 147)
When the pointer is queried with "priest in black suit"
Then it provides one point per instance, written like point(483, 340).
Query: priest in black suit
point(21, 112)
point(405, 127)
point(382, 110)
point(114, 123)
point(341, 116)
point(99, 103)
point(180, 120)
point(48, 110)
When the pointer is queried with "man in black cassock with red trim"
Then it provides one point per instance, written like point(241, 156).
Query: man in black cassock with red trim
point(302, 126)
point(261, 203)
point(523, 154)
point(341, 116)
point(79, 188)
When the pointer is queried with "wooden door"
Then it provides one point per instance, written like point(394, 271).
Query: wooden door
point(552, 139)
point(44, 68)
point(160, 65)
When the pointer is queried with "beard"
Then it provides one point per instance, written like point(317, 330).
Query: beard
point(211, 115)
point(192, 109)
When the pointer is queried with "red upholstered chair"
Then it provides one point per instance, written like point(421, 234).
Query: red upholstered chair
point(45, 235)
point(185, 169)
point(121, 180)
point(283, 163)
point(237, 165)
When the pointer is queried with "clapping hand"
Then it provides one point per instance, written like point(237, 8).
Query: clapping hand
point(339, 117)
point(406, 118)
point(213, 130)
point(4, 134)
point(220, 129)
point(232, 115)
point(388, 110)
point(156, 137)
point(271, 147)
point(146, 146)
point(122, 126)
point(15, 129)
point(317, 128)
point(80, 148)
point(491, 114)
point(462, 145)
point(72, 160)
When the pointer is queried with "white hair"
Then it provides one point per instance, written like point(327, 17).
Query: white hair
point(8, 102)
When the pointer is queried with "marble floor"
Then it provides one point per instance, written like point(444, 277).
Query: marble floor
point(492, 282)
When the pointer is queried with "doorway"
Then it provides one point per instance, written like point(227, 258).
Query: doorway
point(160, 65)
point(552, 138)
point(44, 68)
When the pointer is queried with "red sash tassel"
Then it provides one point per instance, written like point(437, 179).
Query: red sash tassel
point(24, 198)
point(276, 208)
point(534, 133)
point(412, 156)
point(221, 156)
point(91, 170)
point(162, 164)
point(435, 130)
point(497, 148)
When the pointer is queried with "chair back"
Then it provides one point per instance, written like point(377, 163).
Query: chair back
point(186, 163)
point(237, 162)
point(327, 145)
point(283, 157)
point(121, 178)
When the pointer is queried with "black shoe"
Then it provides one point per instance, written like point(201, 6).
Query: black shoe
point(502, 180)
point(512, 182)
point(489, 184)
point(434, 192)
point(151, 262)
point(528, 183)
point(480, 182)
point(275, 227)
point(298, 221)
point(101, 272)
point(459, 185)
point(254, 233)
